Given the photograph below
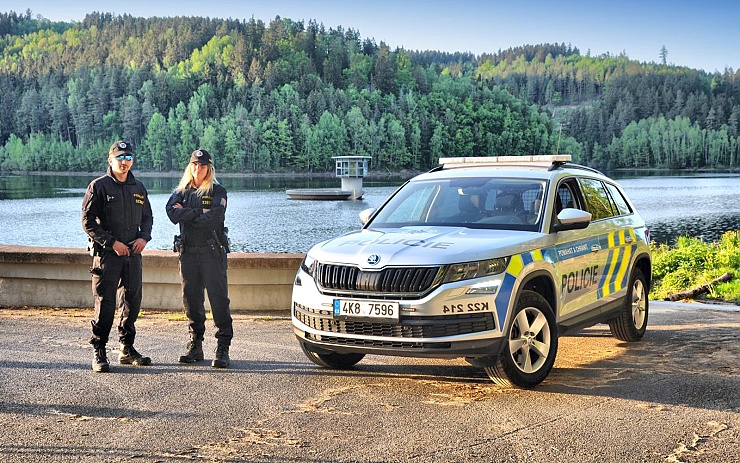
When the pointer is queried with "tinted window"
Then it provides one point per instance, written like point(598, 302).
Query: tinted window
point(597, 199)
point(621, 204)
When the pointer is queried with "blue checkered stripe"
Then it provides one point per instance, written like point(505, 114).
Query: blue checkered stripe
point(516, 265)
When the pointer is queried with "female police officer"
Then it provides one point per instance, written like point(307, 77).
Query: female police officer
point(198, 205)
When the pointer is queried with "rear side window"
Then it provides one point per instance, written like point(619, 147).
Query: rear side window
point(621, 204)
point(597, 199)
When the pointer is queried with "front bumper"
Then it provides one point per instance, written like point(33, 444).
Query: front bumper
point(423, 330)
point(442, 336)
point(477, 348)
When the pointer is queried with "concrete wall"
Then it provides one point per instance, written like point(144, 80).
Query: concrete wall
point(60, 277)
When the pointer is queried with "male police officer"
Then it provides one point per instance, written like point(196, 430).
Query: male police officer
point(198, 205)
point(117, 217)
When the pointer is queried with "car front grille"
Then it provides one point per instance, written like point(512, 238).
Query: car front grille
point(348, 279)
point(408, 327)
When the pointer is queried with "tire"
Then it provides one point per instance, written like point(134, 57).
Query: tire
point(631, 323)
point(333, 359)
point(531, 344)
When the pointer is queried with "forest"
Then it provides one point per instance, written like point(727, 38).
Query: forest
point(287, 95)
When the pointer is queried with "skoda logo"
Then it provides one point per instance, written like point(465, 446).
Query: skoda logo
point(199, 153)
point(122, 145)
point(373, 259)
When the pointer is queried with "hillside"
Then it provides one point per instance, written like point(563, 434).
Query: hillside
point(288, 95)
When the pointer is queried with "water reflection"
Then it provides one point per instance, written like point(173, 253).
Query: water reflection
point(45, 210)
point(41, 186)
point(62, 185)
point(703, 206)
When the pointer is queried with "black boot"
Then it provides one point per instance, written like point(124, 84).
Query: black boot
point(100, 359)
point(221, 360)
point(129, 356)
point(194, 352)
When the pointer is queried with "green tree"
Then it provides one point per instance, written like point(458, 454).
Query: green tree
point(32, 114)
point(157, 144)
point(358, 135)
point(326, 139)
point(131, 120)
point(384, 75)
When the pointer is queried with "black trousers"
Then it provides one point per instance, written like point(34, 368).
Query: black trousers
point(200, 272)
point(116, 284)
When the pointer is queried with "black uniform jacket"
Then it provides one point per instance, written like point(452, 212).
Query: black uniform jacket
point(112, 211)
point(197, 227)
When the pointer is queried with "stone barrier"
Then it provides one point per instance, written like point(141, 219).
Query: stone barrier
point(60, 277)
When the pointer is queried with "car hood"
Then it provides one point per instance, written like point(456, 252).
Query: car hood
point(422, 246)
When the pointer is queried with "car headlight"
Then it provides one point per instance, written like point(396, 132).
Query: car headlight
point(478, 269)
point(308, 264)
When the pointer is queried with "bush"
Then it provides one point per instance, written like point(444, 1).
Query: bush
point(691, 263)
point(729, 250)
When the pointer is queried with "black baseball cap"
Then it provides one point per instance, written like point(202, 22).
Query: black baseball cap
point(121, 147)
point(201, 156)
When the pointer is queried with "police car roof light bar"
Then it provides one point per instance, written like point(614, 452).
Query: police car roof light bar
point(506, 160)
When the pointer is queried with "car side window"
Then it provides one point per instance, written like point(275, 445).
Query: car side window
point(621, 204)
point(564, 196)
point(597, 199)
point(567, 196)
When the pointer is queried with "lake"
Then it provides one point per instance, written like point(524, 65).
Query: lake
point(46, 210)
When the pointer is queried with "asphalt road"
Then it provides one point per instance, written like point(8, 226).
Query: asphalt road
point(673, 397)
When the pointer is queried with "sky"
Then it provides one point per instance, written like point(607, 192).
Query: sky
point(701, 35)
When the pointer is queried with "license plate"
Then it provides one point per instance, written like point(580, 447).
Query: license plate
point(348, 308)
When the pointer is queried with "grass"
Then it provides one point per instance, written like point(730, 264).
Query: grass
point(692, 262)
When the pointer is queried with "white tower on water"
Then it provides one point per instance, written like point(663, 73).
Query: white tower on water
point(352, 169)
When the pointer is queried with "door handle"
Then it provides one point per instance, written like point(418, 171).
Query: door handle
point(628, 239)
point(595, 248)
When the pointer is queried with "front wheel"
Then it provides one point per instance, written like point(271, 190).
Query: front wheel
point(631, 323)
point(531, 344)
point(333, 359)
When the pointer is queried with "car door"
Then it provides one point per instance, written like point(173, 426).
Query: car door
point(611, 216)
point(621, 242)
point(580, 256)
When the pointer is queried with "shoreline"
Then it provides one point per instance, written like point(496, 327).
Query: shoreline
point(178, 174)
point(330, 174)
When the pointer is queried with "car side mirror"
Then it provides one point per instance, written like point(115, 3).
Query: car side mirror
point(366, 214)
point(572, 219)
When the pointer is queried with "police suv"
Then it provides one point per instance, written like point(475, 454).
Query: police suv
point(487, 258)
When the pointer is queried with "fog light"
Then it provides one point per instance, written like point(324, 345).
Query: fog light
point(487, 287)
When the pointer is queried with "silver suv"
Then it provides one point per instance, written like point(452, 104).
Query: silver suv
point(491, 259)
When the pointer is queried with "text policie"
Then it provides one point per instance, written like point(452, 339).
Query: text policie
point(575, 281)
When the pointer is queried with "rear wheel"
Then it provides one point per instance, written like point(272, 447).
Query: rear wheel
point(631, 323)
point(333, 359)
point(531, 344)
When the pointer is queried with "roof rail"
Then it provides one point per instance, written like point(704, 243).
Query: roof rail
point(570, 165)
point(542, 160)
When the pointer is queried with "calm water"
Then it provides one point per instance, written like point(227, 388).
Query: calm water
point(45, 210)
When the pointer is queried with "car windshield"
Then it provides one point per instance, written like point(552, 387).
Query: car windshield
point(489, 203)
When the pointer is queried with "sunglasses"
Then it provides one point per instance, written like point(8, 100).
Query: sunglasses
point(127, 157)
